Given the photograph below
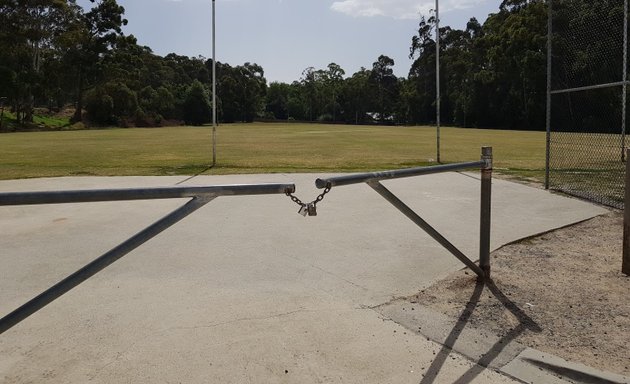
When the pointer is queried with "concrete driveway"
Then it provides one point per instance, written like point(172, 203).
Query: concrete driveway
point(245, 290)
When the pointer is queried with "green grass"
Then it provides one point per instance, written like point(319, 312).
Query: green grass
point(260, 148)
point(49, 122)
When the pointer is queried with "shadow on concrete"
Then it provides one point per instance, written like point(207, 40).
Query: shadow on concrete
point(193, 176)
point(525, 323)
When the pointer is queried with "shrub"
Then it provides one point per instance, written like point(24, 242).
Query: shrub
point(99, 106)
point(112, 103)
point(325, 117)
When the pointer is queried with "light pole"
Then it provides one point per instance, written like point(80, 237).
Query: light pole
point(214, 88)
point(437, 74)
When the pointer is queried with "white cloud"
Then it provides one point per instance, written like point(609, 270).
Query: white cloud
point(398, 9)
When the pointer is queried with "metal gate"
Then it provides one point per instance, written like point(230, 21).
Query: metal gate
point(200, 196)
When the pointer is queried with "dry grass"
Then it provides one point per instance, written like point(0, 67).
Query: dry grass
point(259, 148)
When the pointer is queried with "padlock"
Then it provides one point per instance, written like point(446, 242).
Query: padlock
point(312, 210)
point(303, 210)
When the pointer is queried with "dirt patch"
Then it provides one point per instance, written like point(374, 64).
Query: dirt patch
point(568, 282)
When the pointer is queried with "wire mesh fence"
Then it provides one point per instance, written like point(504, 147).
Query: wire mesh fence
point(588, 99)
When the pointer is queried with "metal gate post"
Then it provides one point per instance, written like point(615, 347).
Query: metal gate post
point(486, 199)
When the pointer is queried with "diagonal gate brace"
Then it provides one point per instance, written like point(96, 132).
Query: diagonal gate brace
point(200, 196)
point(485, 164)
point(413, 216)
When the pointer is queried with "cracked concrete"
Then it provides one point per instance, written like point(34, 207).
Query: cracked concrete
point(245, 290)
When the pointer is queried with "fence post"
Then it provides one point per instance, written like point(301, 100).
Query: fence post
point(486, 198)
point(625, 265)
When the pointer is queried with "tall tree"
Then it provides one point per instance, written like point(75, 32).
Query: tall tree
point(420, 91)
point(241, 91)
point(386, 85)
point(91, 37)
point(356, 96)
point(309, 84)
point(334, 79)
point(514, 71)
point(27, 36)
point(197, 108)
point(277, 100)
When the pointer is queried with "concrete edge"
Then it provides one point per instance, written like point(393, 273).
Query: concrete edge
point(500, 353)
point(476, 344)
point(543, 366)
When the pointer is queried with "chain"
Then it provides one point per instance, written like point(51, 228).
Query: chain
point(295, 199)
point(318, 199)
point(322, 195)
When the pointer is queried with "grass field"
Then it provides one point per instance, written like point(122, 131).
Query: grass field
point(260, 148)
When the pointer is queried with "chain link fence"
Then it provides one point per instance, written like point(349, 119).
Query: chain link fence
point(587, 94)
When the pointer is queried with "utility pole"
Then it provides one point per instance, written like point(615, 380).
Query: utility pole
point(214, 88)
point(437, 74)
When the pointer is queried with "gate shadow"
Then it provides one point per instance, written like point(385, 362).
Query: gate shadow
point(525, 323)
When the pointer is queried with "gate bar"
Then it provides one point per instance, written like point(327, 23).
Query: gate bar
point(90, 196)
point(395, 174)
point(485, 164)
point(200, 197)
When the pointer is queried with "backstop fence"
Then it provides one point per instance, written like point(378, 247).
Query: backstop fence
point(587, 98)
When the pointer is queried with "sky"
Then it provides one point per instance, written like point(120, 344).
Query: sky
point(287, 36)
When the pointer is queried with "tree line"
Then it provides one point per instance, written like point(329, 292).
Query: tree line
point(54, 53)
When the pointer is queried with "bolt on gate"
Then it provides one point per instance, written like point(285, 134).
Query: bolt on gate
point(485, 164)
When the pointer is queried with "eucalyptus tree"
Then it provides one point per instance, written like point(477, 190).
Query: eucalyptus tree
point(333, 79)
point(88, 40)
point(386, 87)
point(309, 86)
point(493, 74)
point(197, 108)
point(356, 96)
point(241, 91)
point(28, 33)
point(514, 71)
point(421, 89)
point(277, 100)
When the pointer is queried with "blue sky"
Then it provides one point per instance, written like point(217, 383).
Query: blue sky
point(287, 36)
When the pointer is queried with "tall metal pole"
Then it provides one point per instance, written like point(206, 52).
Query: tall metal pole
point(437, 74)
point(214, 87)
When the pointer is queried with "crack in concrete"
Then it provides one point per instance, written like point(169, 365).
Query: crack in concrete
point(329, 273)
point(214, 325)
